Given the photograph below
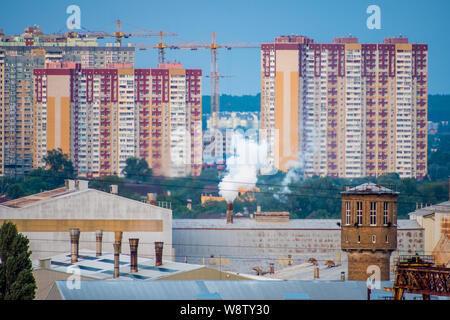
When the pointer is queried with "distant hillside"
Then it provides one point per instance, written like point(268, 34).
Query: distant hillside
point(234, 103)
point(438, 107)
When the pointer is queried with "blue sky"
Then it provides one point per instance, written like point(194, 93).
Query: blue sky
point(248, 21)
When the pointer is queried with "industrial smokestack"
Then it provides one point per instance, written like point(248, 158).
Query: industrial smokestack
point(230, 212)
point(316, 273)
point(74, 240)
point(114, 189)
point(116, 259)
point(118, 238)
point(158, 253)
point(98, 238)
point(133, 254)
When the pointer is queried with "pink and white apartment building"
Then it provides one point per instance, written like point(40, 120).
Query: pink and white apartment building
point(102, 116)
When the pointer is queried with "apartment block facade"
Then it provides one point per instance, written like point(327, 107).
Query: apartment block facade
point(345, 109)
point(19, 56)
point(102, 116)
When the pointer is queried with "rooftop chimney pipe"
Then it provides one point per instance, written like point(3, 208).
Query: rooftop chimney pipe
point(229, 212)
point(118, 238)
point(133, 254)
point(98, 238)
point(158, 253)
point(74, 240)
point(316, 273)
point(114, 189)
point(116, 259)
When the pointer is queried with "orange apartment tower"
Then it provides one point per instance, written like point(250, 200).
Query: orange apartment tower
point(345, 109)
point(102, 116)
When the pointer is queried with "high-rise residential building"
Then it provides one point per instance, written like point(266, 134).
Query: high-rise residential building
point(19, 56)
point(102, 116)
point(345, 109)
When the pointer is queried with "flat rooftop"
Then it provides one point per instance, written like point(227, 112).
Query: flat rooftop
point(102, 267)
point(247, 223)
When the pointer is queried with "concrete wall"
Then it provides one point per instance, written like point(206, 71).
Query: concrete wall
point(239, 250)
point(93, 208)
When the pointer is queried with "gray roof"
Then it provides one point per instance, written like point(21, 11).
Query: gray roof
point(219, 289)
point(369, 188)
point(247, 223)
point(102, 267)
point(443, 207)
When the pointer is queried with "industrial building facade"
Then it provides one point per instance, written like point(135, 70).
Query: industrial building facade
point(247, 243)
point(345, 109)
point(47, 217)
point(19, 56)
point(102, 116)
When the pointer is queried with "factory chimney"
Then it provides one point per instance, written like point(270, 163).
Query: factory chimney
point(114, 189)
point(74, 241)
point(316, 272)
point(116, 259)
point(230, 212)
point(158, 253)
point(98, 238)
point(133, 254)
point(118, 238)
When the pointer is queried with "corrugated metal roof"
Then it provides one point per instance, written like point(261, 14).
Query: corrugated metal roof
point(102, 267)
point(226, 290)
point(369, 188)
point(24, 201)
point(243, 223)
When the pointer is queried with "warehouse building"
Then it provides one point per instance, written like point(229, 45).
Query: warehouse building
point(46, 218)
point(257, 242)
point(435, 220)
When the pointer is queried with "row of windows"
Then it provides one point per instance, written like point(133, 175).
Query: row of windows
point(374, 239)
point(372, 213)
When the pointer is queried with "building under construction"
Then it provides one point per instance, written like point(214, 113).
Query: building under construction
point(19, 56)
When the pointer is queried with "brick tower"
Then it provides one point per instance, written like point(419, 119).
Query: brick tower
point(369, 229)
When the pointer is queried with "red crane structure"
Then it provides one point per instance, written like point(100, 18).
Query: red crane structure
point(420, 275)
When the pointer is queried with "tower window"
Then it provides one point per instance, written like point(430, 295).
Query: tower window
point(373, 213)
point(387, 239)
point(347, 213)
point(374, 238)
point(359, 238)
point(386, 213)
point(359, 212)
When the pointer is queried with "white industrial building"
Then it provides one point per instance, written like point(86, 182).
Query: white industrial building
point(249, 243)
point(46, 218)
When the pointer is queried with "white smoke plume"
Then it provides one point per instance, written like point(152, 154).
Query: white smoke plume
point(248, 158)
point(296, 173)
